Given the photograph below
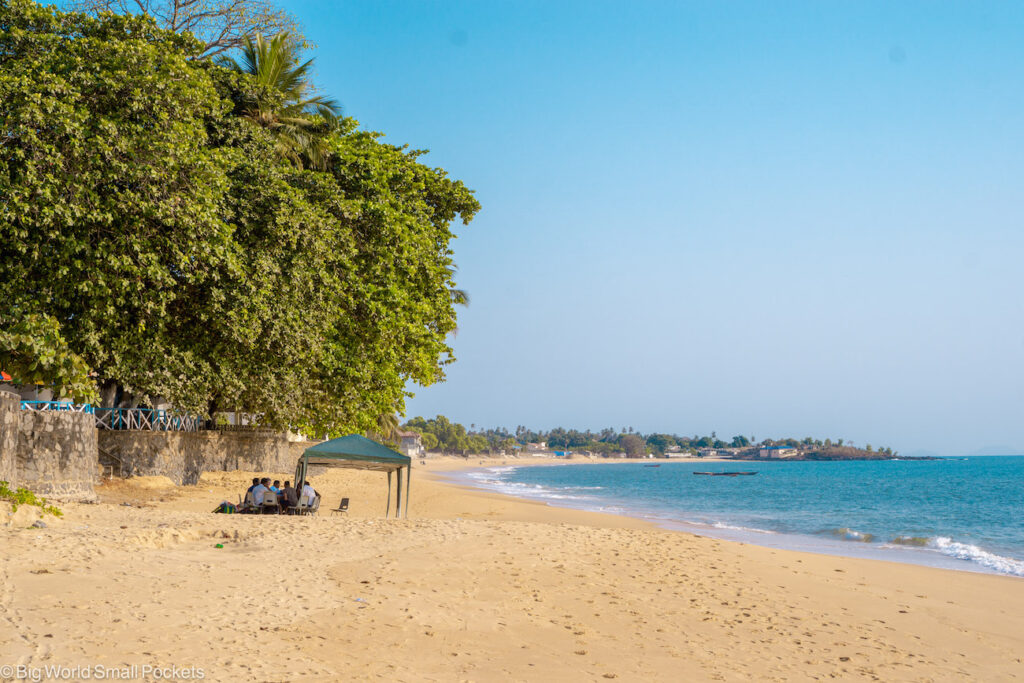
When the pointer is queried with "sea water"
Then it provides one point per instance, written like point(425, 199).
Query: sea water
point(962, 513)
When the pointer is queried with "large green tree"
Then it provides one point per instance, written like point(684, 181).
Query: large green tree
point(109, 195)
point(184, 259)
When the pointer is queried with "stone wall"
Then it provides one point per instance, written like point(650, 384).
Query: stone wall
point(10, 406)
point(56, 454)
point(183, 456)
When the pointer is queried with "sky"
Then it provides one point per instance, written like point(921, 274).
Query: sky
point(761, 218)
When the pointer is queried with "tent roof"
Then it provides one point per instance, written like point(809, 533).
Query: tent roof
point(356, 452)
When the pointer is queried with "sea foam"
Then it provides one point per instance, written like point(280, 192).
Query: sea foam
point(972, 553)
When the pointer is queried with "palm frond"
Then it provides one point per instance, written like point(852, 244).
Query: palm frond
point(285, 101)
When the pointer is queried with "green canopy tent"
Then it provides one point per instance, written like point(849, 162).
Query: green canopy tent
point(358, 452)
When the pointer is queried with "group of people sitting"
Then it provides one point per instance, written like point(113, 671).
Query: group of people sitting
point(263, 492)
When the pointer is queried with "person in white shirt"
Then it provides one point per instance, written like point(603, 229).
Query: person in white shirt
point(307, 490)
point(259, 490)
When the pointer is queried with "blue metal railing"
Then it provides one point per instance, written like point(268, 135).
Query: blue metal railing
point(56, 406)
point(151, 419)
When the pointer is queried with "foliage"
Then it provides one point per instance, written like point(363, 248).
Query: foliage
point(185, 260)
point(429, 441)
point(33, 351)
point(110, 198)
point(22, 496)
point(280, 98)
point(219, 25)
point(442, 434)
point(659, 443)
point(632, 444)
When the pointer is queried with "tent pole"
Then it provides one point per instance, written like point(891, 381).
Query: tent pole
point(387, 510)
point(398, 494)
point(408, 478)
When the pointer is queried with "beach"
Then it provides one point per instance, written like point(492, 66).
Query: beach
point(473, 586)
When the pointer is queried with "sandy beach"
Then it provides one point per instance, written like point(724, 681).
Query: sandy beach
point(473, 586)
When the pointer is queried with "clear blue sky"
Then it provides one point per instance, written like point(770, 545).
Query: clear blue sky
point(763, 218)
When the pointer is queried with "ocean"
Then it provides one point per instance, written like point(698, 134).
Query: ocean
point(958, 513)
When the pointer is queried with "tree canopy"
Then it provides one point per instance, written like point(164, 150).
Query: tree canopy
point(219, 25)
point(185, 259)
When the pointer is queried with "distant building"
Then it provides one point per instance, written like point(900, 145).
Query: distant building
point(411, 444)
point(777, 452)
point(706, 452)
point(537, 447)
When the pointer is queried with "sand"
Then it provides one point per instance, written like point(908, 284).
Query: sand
point(474, 587)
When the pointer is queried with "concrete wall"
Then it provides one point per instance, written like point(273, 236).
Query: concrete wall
point(183, 456)
point(50, 453)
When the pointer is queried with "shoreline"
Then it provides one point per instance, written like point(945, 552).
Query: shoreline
point(882, 552)
point(474, 586)
point(460, 476)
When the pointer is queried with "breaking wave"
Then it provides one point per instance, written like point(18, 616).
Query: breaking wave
point(914, 541)
point(847, 534)
point(493, 479)
point(732, 527)
point(972, 553)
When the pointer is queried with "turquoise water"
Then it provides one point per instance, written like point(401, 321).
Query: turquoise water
point(964, 513)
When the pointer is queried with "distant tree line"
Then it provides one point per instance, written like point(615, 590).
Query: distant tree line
point(441, 434)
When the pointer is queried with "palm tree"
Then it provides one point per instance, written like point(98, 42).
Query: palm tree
point(387, 427)
point(284, 101)
point(459, 296)
point(387, 430)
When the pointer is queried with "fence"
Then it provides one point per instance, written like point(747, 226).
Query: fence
point(56, 406)
point(150, 419)
point(249, 429)
point(145, 418)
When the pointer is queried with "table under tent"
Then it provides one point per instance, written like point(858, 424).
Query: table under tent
point(358, 452)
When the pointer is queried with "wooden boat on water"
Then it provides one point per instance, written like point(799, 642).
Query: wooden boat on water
point(653, 465)
point(727, 474)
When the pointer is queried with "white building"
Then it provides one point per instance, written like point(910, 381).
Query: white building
point(411, 444)
point(777, 452)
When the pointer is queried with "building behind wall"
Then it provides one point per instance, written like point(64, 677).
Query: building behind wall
point(411, 444)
